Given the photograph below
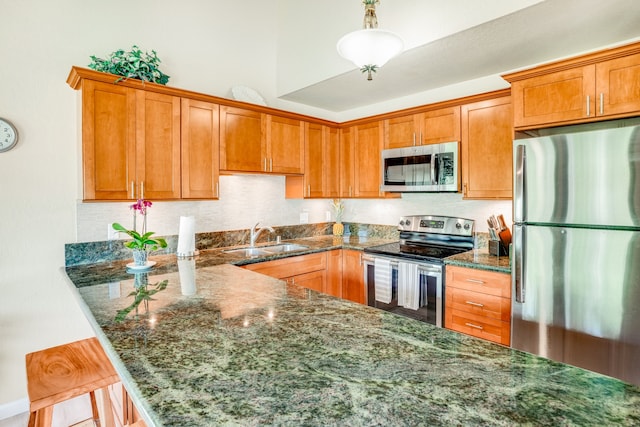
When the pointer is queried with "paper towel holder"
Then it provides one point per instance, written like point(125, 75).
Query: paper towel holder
point(190, 254)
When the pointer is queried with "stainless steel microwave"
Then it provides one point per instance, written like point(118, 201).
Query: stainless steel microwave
point(422, 168)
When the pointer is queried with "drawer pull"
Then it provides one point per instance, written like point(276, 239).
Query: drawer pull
point(478, 281)
point(471, 325)
point(477, 304)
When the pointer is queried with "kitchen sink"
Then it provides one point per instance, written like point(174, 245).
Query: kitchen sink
point(266, 250)
point(248, 252)
point(286, 247)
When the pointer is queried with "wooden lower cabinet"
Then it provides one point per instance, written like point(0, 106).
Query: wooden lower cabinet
point(308, 271)
point(478, 303)
point(353, 277)
point(124, 411)
point(338, 272)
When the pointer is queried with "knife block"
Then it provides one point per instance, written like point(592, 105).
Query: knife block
point(496, 248)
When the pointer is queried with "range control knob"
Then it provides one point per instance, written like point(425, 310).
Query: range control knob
point(467, 226)
point(458, 225)
point(407, 222)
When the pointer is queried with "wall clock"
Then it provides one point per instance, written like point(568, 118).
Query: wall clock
point(8, 135)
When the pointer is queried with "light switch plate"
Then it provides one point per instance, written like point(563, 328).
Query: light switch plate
point(111, 233)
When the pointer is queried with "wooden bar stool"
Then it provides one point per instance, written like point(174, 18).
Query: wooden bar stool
point(61, 373)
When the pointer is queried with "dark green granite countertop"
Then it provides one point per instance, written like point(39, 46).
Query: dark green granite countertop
point(225, 346)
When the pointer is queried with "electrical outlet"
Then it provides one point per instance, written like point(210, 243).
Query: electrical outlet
point(111, 233)
point(304, 217)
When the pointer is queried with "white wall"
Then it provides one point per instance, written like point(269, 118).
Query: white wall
point(206, 46)
point(203, 48)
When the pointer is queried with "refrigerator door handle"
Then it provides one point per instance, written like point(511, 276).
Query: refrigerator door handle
point(519, 184)
point(518, 266)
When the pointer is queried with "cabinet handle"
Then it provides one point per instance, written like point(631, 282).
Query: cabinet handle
point(464, 189)
point(601, 103)
point(478, 281)
point(471, 325)
point(133, 190)
point(414, 139)
point(588, 105)
point(476, 304)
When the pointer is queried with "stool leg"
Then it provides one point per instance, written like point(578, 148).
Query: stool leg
point(94, 408)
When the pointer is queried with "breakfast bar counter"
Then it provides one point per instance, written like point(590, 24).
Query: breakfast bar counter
point(221, 345)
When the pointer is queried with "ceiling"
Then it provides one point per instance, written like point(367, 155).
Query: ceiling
point(546, 31)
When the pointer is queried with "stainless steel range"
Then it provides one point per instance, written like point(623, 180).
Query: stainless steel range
point(407, 277)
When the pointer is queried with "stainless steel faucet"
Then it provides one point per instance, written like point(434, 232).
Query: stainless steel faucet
point(255, 232)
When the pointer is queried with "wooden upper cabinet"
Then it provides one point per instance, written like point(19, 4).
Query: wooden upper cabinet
point(554, 98)
point(331, 161)
point(200, 149)
point(347, 162)
point(429, 127)
point(442, 125)
point(402, 131)
point(285, 145)
point(618, 86)
point(322, 161)
point(597, 86)
point(131, 143)
point(486, 149)
point(158, 145)
point(368, 143)
point(242, 141)
point(108, 141)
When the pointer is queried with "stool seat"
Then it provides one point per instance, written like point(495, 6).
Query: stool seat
point(61, 373)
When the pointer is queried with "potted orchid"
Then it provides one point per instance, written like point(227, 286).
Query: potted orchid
point(142, 241)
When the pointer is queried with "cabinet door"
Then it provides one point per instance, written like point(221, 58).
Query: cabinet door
point(618, 86)
point(554, 98)
point(242, 146)
point(353, 276)
point(314, 280)
point(314, 160)
point(347, 165)
point(441, 125)
point(331, 163)
point(285, 145)
point(402, 131)
point(200, 149)
point(368, 145)
point(487, 139)
point(158, 145)
point(108, 141)
point(334, 273)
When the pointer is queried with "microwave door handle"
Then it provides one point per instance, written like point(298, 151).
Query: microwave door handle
point(435, 168)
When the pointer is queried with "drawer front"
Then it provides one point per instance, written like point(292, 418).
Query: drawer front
point(486, 305)
point(292, 266)
point(487, 282)
point(478, 326)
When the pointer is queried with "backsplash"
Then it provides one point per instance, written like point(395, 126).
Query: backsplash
point(111, 250)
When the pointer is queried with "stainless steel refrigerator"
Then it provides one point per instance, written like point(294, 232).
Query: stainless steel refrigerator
point(576, 254)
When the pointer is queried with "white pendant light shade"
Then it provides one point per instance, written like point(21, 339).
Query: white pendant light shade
point(370, 47)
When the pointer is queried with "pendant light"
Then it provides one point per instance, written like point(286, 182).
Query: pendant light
point(370, 48)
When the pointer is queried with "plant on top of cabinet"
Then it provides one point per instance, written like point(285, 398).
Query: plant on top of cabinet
point(134, 64)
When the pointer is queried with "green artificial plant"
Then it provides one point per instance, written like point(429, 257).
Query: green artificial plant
point(134, 64)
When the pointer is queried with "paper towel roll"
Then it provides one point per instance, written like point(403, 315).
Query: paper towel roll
point(187, 272)
point(186, 237)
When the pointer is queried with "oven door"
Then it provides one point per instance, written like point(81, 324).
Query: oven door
point(429, 281)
